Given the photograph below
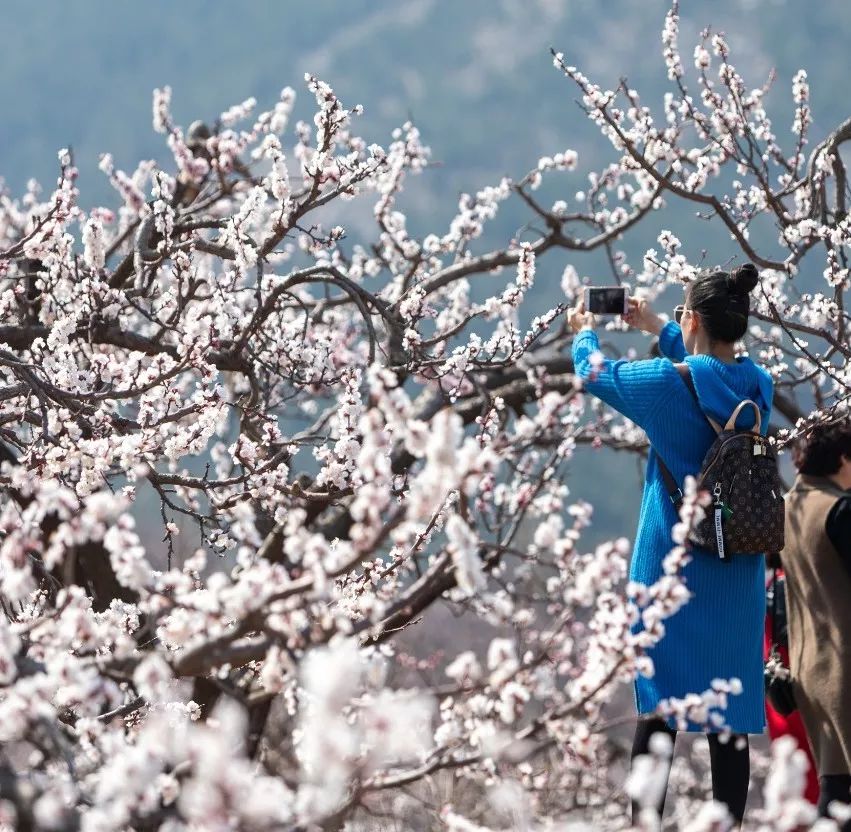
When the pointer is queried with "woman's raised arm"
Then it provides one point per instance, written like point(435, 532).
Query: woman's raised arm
point(634, 388)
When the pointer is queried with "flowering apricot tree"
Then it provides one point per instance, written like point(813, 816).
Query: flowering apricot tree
point(338, 437)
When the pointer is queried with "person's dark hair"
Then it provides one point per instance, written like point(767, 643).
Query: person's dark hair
point(820, 450)
point(722, 299)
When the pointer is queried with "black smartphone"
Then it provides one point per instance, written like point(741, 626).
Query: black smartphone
point(606, 300)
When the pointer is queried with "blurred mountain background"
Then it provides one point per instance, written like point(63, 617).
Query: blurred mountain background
point(475, 75)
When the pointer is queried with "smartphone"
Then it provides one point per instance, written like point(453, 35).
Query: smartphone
point(606, 300)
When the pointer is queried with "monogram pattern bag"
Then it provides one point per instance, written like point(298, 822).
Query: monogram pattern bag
point(747, 514)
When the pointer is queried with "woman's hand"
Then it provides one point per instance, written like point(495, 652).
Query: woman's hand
point(578, 319)
point(641, 316)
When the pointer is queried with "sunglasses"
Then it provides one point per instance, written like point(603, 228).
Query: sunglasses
point(678, 313)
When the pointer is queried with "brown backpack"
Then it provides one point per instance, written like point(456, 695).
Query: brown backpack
point(739, 470)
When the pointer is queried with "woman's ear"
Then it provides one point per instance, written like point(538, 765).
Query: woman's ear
point(693, 324)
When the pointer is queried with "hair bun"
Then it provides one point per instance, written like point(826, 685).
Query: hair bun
point(743, 279)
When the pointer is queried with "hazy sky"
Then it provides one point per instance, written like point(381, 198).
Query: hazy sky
point(81, 73)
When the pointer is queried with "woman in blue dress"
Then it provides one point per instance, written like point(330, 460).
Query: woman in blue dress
point(718, 633)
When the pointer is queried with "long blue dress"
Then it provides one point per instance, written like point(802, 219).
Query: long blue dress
point(718, 633)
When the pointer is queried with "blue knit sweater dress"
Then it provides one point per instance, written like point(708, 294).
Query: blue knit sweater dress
point(719, 632)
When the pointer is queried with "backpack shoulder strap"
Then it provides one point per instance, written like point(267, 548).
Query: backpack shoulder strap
point(671, 486)
point(674, 491)
point(685, 375)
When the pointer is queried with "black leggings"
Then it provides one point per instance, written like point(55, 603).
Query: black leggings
point(834, 787)
point(731, 765)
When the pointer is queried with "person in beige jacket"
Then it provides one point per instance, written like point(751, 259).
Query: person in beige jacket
point(817, 563)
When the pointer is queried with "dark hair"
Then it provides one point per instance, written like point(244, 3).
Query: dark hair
point(722, 301)
point(820, 450)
